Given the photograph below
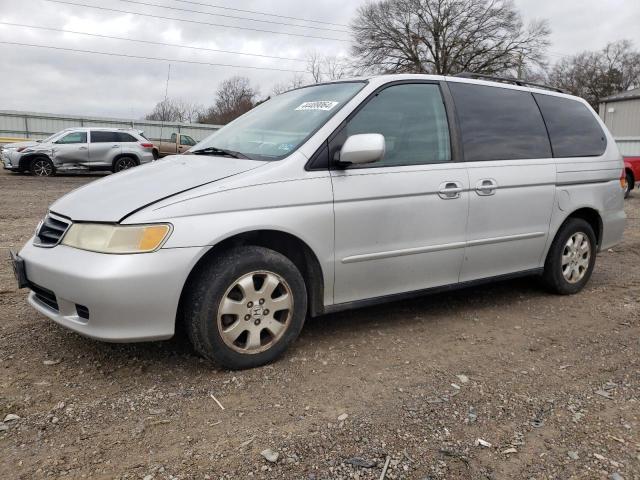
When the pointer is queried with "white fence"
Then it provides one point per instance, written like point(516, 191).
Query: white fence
point(629, 146)
point(37, 126)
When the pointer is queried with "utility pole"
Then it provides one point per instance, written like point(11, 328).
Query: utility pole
point(166, 96)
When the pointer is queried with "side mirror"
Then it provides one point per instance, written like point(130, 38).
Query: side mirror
point(363, 148)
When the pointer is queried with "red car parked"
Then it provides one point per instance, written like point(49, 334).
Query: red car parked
point(632, 170)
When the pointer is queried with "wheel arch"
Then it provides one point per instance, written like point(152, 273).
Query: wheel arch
point(285, 243)
point(25, 161)
point(592, 217)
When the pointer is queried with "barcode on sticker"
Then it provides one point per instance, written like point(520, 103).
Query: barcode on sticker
point(319, 105)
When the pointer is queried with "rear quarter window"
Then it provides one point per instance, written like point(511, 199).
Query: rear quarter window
point(499, 123)
point(573, 128)
point(126, 138)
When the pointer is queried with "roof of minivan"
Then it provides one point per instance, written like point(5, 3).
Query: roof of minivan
point(382, 79)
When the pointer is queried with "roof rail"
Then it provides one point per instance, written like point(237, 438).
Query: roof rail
point(515, 81)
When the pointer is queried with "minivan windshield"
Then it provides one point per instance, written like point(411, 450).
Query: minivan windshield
point(276, 128)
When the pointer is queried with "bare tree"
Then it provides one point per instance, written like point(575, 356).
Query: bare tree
point(296, 81)
point(189, 111)
point(335, 68)
point(446, 37)
point(327, 67)
point(166, 111)
point(234, 97)
point(594, 75)
point(314, 61)
point(175, 110)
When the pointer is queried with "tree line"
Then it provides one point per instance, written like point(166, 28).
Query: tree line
point(443, 37)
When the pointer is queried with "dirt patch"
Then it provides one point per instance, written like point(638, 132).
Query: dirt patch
point(420, 381)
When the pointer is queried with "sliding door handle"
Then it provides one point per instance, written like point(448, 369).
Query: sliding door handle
point(486, 187)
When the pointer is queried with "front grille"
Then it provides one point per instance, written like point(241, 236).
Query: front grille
point(45, 296)
point(51, 231)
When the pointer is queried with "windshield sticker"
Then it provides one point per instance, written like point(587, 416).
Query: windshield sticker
point(285, 147)
point(319, 105)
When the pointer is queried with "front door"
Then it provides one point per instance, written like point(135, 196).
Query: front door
point(71, 149)
point(512, 179)
point(400, 222)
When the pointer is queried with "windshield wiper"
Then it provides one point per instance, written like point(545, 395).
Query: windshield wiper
point(218, 151)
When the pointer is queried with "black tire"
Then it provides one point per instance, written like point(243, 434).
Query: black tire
point(629, 185)
point(124, 163)
point(42, 167)
point(156, 155)
point(211, 285)
point(553, 275)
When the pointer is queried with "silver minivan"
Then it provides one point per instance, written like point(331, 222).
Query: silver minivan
point(331, 197)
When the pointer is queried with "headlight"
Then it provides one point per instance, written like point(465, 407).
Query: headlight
point(104, 238)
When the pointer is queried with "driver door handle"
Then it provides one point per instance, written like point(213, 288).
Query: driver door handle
point(486, 187)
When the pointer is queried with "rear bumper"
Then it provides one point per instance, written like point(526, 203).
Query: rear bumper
point(128, 297)
point(613, 224)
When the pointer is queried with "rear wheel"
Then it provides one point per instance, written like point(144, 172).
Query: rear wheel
point(124, 163)
point(629, 185)
point(42, 167)
point(246, 308)
point(571, 258)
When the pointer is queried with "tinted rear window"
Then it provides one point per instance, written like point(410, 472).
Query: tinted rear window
point(104, 137)
point(125, 137)
point(573, 129)
point(499, 123)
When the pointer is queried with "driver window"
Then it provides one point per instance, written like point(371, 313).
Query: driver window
point(186, 140)
point(75, 137)
point(412, 119)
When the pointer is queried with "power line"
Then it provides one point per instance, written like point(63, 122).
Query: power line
point(194, 21)
point(231, 16)
point(141, 57)
point(213, 5)
point(149, 42)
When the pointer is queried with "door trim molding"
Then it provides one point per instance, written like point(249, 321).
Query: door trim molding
point(436, 248)
point(367, 302)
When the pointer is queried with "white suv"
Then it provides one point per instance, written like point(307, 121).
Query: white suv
point(84, 149)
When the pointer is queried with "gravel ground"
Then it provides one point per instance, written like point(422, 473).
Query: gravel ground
point(501, 381)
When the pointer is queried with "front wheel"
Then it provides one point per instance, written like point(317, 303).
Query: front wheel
point(246, 308)
point(42, 167)
point(571, 258)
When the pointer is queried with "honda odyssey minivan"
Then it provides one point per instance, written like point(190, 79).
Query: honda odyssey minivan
point(330, 197)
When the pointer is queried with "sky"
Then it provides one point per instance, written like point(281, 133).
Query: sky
point(68, 82)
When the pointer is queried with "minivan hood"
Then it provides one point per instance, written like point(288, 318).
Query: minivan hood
point(113, 198)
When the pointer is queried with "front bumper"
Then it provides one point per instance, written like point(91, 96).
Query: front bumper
point(127, 298)
point(7, 160)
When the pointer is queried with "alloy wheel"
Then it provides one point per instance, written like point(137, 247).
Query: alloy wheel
point(42, 168)
point(255, 312)
point(125, 164)
point(576, 256)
